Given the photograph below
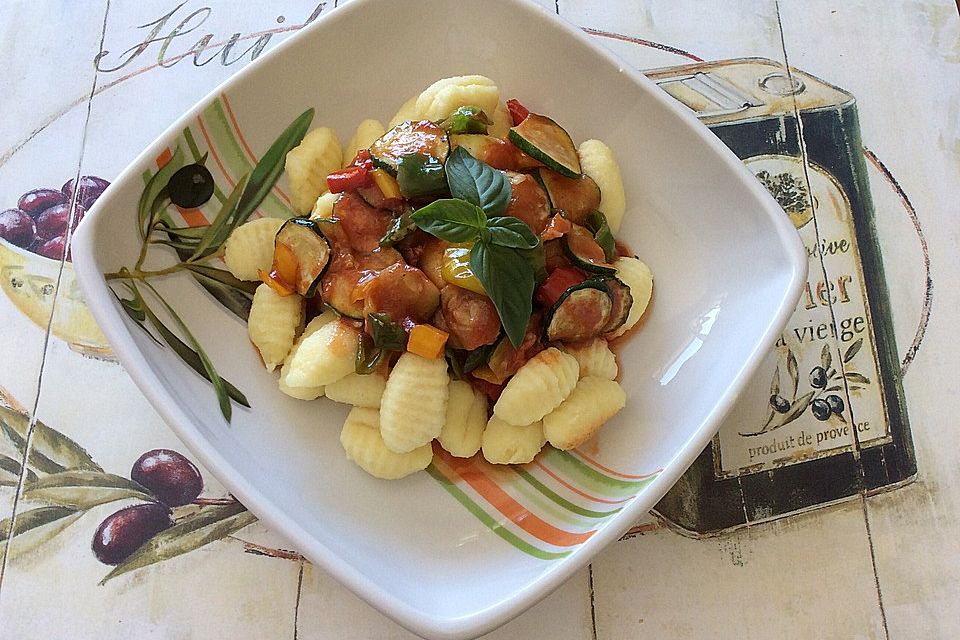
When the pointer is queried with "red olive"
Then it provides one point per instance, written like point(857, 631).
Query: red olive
point(17, 228)
point(37, 201)
point(169, 475)
point(52, 248)
point(128, 529)
point(90, 189)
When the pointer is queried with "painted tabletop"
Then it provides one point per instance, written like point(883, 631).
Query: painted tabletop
point(826, 507)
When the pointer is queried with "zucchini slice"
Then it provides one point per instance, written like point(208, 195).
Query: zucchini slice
point(309, 247)
point(576, 197)
point(423, 137)
point(542, 138)
point(584, 252)
point(582, 312)
point(597, 223)
point(622, 303)
point(337, 292)
point(497, 153)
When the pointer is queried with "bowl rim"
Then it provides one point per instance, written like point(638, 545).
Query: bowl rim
point(95, 291)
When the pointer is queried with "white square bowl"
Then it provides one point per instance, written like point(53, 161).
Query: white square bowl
point(457, 551)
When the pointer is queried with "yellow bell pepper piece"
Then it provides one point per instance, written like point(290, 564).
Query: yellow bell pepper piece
point(389, 186)
point(456, 268)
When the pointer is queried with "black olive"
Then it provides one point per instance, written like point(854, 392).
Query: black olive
point(820, 409)
point(779, 403)
point(836, 403)
point(818, 377)
point(191, 186)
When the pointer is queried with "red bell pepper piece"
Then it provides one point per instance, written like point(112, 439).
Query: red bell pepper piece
point(559, 280)
point(518, 112)
point(353, 177)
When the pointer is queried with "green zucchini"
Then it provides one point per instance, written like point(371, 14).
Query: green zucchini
point(576, 197)
point(422, 137)
point(337, 292)
point(310, 248)
point(582, 312)
point(597, 223)
point(584, 252)
point(622, 301)
point(542, 138)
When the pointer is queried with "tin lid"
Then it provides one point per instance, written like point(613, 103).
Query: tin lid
point(746, 89)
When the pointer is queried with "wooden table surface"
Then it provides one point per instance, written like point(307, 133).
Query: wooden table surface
point(784, 547)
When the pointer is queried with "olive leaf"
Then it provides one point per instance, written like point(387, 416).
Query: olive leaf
point(797, 407)
point(793, 371)
point(36, 527)
point(188, 355)
point(206, 526)
point(857, 377)
point(10, 471)
point(852, 350)
point(826, 359)
point(835, 387)
point(152, 192)
point(224, 277)
point(210, 372)
point(775, 383)
point(84, 489)
point(50, 450)
point(218, 231)
point(268, 170)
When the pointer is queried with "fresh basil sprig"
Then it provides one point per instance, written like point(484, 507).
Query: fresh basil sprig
point(499, 256)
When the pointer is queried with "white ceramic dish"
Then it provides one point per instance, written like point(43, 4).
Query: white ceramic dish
point(457, 551)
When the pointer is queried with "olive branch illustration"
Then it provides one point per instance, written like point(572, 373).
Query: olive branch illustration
point(824, 399)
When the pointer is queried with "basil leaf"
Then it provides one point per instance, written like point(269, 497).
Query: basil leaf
point(477, 182)
point(508, 231)
point(537, 259)
point(507, 278)
point(420, 175)
point(451, 219)
point(479, 357)
point(369, 356)
point(469, 119)
point(386, 333)
point(597, 223)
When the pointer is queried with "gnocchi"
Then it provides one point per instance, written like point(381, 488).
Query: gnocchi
point(395, 311)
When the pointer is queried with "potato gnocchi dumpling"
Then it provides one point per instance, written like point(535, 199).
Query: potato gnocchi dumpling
point(462, 432)
point(273, 324)
point(361, 440)
point(367, 133)
point(407, 111)
point(249, 248)
point(304, 393)
point(360, 391)
point(325, 356)
point(636, 275)
point(445, 96)
point(504, 443)
point(414, 403)
point(308, 164)
point(597, 161)
point(538, 387)
point(580, 416)
point(594, 357)
point(501, 121)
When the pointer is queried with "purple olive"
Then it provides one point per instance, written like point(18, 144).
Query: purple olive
point(53, 222)
point(170, 476)
point(37, 201)
point(128, 529)
point(17, 228)
point(52, 248)
point(90, 189)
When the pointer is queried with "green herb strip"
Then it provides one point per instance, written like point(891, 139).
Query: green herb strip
point(508, 279)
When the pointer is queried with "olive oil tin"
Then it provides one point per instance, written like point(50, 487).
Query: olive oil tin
point(824, 419)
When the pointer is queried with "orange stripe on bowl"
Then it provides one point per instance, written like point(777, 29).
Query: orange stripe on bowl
point(213, 152)
point(243, 142)
point(610, 471)
point(192, 217)
point(500, 500)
